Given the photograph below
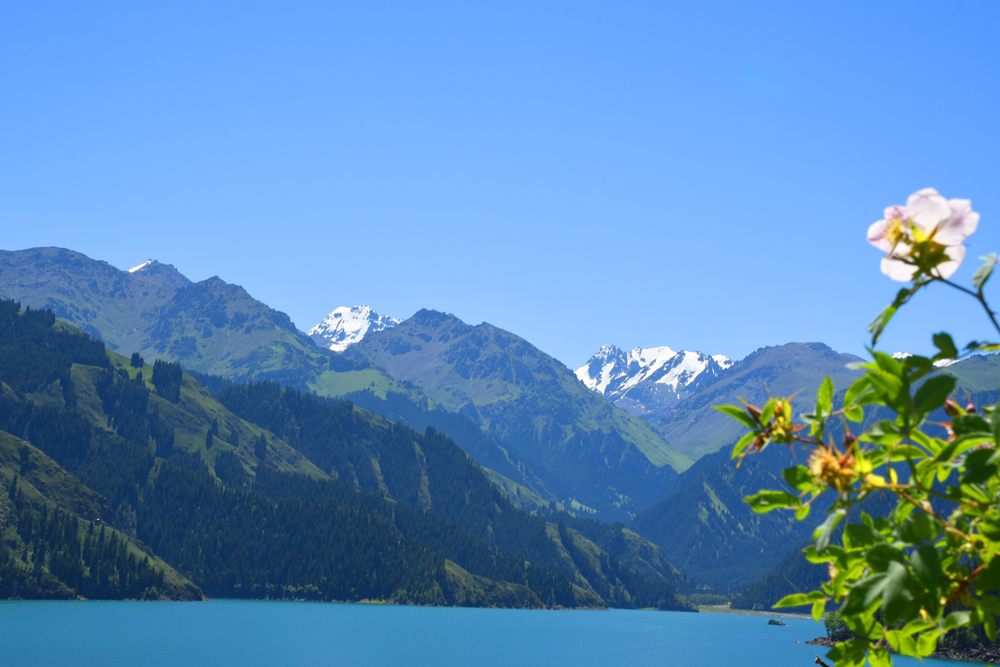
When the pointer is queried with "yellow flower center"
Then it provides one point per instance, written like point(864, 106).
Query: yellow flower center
point(894, 232)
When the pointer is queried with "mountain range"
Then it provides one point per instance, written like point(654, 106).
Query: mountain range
point(629, 437)
point(649, 382)
point(130, 480)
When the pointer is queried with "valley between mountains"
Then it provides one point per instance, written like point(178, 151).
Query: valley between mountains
point(163, 438)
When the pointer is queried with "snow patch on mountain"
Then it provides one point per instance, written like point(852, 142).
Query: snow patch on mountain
point(940, 363)
point(346, 326)
point(141, 266)
point(647, 380)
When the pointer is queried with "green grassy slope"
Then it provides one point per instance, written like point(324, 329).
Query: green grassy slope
point(45, 489)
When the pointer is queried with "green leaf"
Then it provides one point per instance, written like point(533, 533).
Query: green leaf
point(881, 556)
point(927, 642)
point(855, 414)
point(932, 393)
point(765, 501)
point(927, 566)
point(956, 619)
point(825, 530)
point(904, 644)
point(879, 657)
point(966, 424)
point(849, 654)
point(907, 453)
point(739, 415)
point(878, 324)
point(819, 608)
point(824, 398)
point(890, 389)
point(857, 388)
point(742, 444)
point(980, 465)
point(983, 272)
point(860, 536)
point(802, 512)
point(798, 478)
point(800, 599)
point(989, 579)
point(945, 345)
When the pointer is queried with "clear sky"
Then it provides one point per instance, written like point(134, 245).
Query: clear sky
point(698, 175)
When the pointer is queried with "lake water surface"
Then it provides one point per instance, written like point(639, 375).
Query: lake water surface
point(237, 632)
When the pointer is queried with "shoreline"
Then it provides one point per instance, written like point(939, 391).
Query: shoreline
point(725, 609)
point(981, 654)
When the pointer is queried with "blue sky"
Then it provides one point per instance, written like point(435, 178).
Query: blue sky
point(698, 175)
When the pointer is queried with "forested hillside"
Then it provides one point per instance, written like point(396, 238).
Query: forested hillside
point(282, 496)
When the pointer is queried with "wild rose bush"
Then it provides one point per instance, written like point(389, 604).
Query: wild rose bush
point(933, 564)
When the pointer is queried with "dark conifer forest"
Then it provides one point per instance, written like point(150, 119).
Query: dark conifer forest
point(123, 480)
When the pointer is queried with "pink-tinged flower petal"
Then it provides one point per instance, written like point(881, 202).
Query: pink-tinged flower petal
point(895, 212)
point(962, 223)
point(928, 209)
point(876, 235)
point(956, 253)
point(898, 270)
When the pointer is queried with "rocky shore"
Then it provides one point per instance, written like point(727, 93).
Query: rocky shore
point(980, 653)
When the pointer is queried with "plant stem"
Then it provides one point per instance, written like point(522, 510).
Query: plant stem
point(978, 296)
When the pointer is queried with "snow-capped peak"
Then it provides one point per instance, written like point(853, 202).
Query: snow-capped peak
point(940, 363)
point(646, 376)
point(141, 266)
point(346, 326)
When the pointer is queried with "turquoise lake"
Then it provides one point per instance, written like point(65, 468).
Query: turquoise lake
point(236, 632)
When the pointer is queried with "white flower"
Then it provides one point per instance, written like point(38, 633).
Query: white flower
point(928, 222)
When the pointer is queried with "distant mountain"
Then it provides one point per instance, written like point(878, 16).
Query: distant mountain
point(593, 456)
point(696, 428)
point(261, 492)
point(346, 326)
point(649, 382)
point(218, 329)
point(210, 326)
point(703, 525)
